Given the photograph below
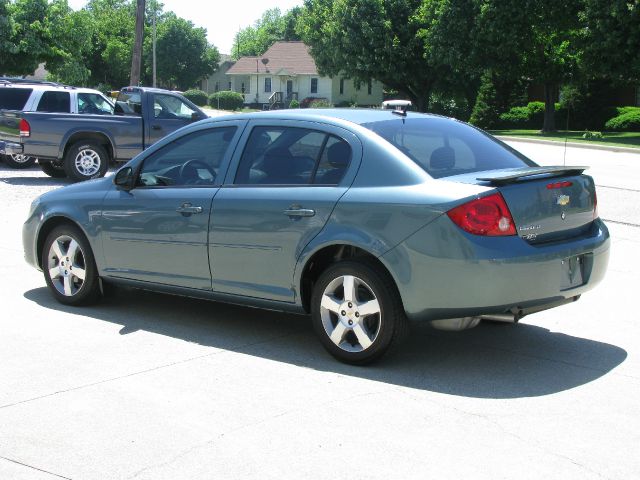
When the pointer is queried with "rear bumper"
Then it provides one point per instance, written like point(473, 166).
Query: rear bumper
point(10, 148)
point(442, 272)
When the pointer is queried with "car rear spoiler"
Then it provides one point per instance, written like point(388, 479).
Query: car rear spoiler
point(505, 177)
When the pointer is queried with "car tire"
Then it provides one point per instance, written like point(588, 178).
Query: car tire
point(53, 169)
point(19, 161)
point(361, 326)
point(69, 267)
point(86, 160)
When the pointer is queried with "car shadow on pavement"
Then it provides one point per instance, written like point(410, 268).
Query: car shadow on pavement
point(489, 361)
point(35, 181)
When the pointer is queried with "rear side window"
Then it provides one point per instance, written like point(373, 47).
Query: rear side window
point(292, 156)
point(444, 147)
point(14, 98)
point(129, 103)
point(55, 102)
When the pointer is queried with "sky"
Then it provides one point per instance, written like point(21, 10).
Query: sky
point(222, 19)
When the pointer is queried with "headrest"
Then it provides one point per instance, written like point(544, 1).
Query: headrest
point(339, 154)
point(442, 158)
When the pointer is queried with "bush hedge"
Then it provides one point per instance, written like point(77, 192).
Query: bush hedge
point(196, 96)
point(226, 100)
point(294, 103)
point(315, 102)
point(627, 122)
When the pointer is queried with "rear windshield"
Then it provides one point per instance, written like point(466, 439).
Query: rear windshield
point(444, 147)
point(14, 98)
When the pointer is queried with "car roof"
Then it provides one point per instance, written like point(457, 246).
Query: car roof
point(357, 116)
point(47, 86)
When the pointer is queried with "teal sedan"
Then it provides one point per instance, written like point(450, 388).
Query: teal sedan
point(364, 219)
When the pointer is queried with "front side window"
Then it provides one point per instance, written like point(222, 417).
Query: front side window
point(191, 160)
point(292, 156)
point(93, 104)
point(55, 102)
point(169, 107)
point(314, 85)
point(445, 147)
point(267, 85)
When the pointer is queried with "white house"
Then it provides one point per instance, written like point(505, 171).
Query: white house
point(287, 71)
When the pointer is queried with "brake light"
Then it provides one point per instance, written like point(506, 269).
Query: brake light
point(25, 128)
point(595, 205)
point(487, 216)
point(551, 186)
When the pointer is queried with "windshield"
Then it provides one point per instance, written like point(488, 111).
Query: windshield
point(444, 147)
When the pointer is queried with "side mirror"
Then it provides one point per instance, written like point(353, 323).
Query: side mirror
point(124, 179)
point(195, 116)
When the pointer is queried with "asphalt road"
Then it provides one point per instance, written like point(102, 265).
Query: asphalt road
point(148, 386)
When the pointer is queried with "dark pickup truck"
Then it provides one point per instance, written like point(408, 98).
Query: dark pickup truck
point(81, 146)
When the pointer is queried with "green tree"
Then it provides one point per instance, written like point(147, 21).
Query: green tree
point(28, 43)
point(372, 39)
point(611, 39)
point(270, 28)
point(109, 58)
point(535, 39)
point(183, 54)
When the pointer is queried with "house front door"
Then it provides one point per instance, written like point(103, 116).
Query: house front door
point(289, 88)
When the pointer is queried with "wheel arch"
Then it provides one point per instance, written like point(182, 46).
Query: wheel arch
point(325, 256)
point(100, 138)
point(48, 226)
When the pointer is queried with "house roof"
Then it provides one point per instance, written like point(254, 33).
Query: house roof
point(284, 58)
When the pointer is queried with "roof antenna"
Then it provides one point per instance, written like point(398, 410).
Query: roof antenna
point(401, 110)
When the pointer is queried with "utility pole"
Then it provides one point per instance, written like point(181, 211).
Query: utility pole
point(136, 58)
point(155, 12)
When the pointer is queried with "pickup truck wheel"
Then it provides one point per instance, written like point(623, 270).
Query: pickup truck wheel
point(16, 160)
point(53, 169)
point(86, 160)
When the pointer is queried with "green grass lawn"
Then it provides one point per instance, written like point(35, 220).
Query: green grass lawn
point(618, 139)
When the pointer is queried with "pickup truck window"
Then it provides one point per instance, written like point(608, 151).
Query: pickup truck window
point(129, 103)
point(14, 98)
point(168, 106)
point(93, 104)
point(191, 160)
point(55, 102)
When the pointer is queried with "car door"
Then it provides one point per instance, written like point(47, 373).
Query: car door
point(158, 231)
point(169, 113)
point(278, 195)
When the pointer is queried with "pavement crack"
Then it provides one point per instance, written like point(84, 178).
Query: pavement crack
point(34, 468)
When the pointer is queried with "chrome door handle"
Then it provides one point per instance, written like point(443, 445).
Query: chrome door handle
point(188, 209)
point(295, 211)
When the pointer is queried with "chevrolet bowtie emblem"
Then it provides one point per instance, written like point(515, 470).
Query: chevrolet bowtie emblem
point(563, 200)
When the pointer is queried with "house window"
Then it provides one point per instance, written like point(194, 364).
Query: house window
point(314, 85)
point(230, 89)
point(369, 88)
point(342, 86)
point(216, 88)
point(242, 89)
point(267, 85)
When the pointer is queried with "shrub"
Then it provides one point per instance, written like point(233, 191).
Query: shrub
point(306, 102)
point(196, 96)
point(226, 100)
point(629, 122)
point(294, 103)
point(321, 103)
point(623, 110)
point(592, 135)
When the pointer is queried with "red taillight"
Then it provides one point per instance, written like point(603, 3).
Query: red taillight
point(551, 186)
point(25, 128)
point(485, 216)
point(595, 205)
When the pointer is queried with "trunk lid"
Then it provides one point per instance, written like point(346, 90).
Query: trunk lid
point(548, 204)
